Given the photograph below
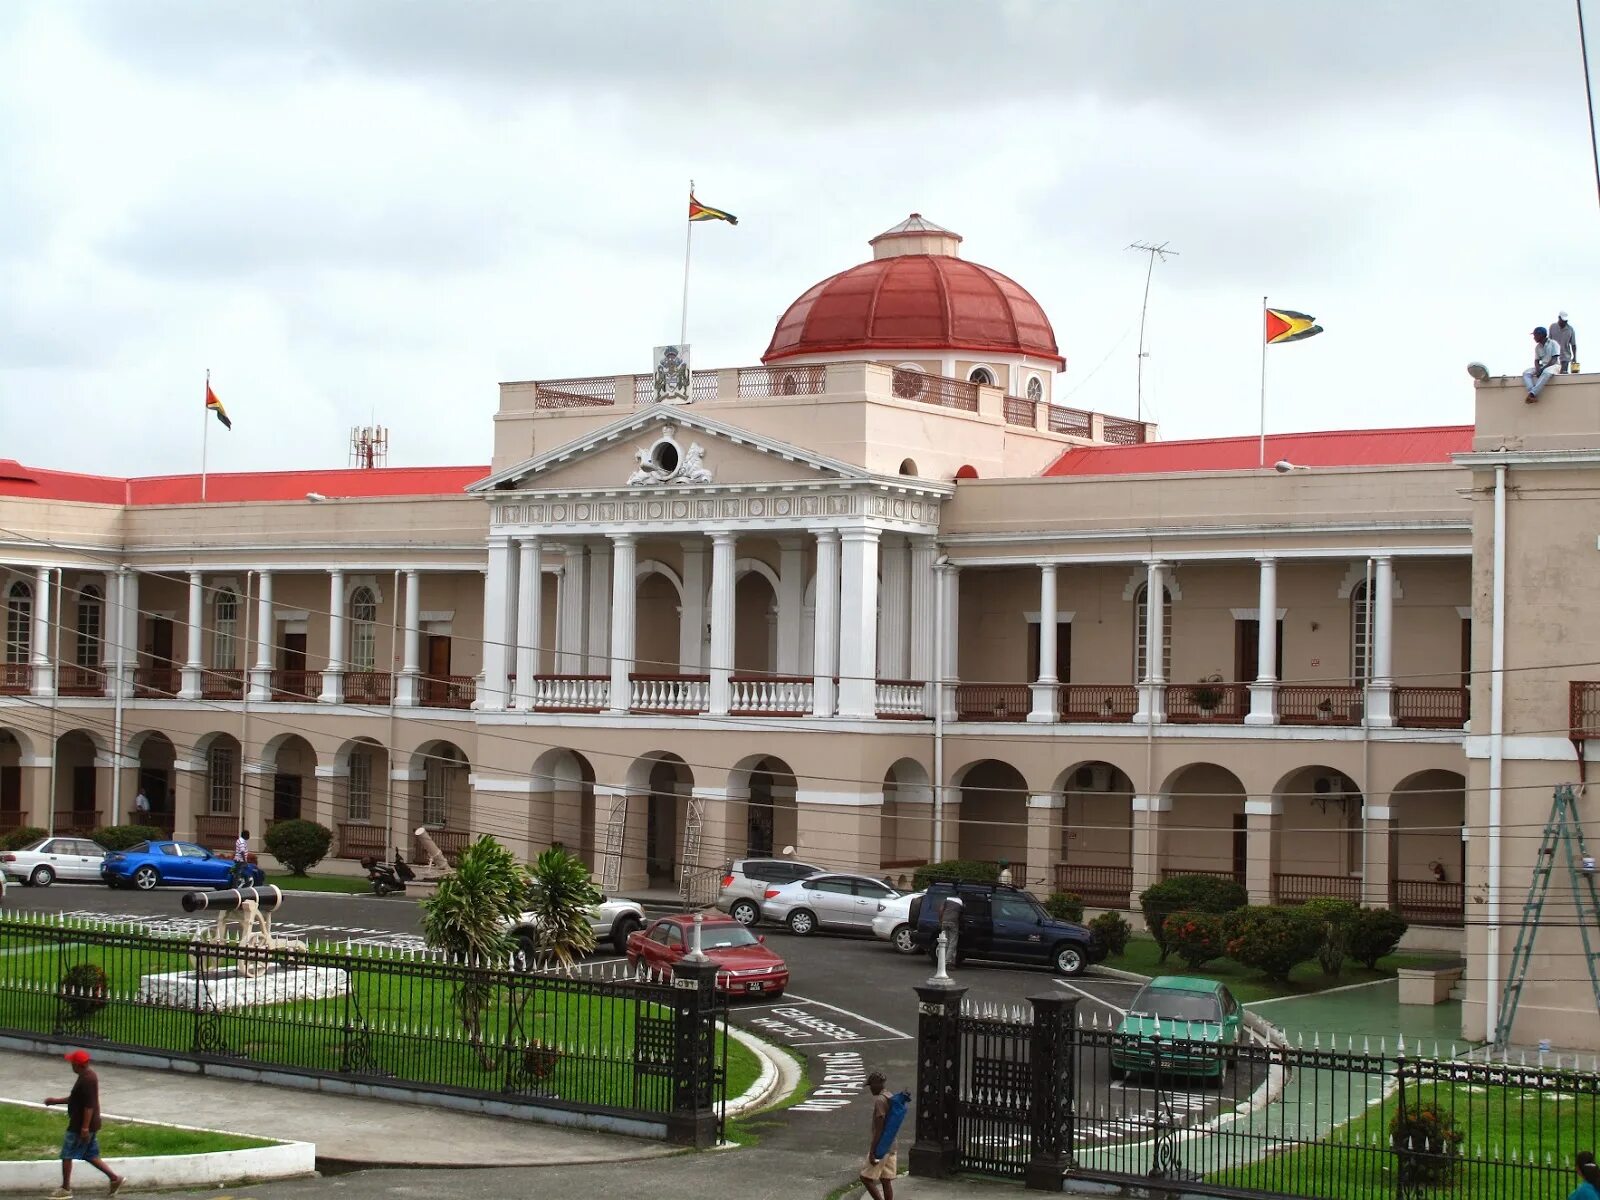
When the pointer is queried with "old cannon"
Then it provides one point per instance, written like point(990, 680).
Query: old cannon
point(249, 910)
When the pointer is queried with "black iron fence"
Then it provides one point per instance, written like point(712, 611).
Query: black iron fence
point(604, 1042)
point(1036, 1094)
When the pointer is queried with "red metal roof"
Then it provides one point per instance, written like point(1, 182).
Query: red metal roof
point(1334, 448)
point(915, 302)
point(235, 487)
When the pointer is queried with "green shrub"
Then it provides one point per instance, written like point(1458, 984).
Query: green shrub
point(299, 844)
point(1427, 1143)
point(1065, 906)
point(83, 990)
point(18, 838)
point(121, 837)
point(1196, 937)
point(1335, 919)
point(1374, 933)
point(1187, 893)
point(1272, 940)
point(1114, 931)
point(963, 870)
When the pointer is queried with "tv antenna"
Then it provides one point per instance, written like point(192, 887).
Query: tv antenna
point(1154, 252)
point(369, 446)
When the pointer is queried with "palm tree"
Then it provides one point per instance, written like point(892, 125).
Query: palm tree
point(560, 894)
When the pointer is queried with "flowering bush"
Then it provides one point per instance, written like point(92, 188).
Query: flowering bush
point(1196, 937)
point(1272, 940)
point(1187, 893)
point(1427, 1143)
point(1113, 930)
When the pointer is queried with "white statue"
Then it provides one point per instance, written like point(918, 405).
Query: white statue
point(647, 472)
point(694, 469)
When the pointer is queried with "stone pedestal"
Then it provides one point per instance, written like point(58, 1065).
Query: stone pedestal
point(227, 988)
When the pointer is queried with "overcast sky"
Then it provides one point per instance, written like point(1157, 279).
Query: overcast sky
point(384, 208)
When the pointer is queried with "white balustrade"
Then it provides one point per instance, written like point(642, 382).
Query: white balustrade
point(901, 699)
point(782, 696)
point(571, 693)
point(671, 693)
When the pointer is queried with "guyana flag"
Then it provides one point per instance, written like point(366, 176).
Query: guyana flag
point(215, 405)
point(1285, 325)
point(701, 212)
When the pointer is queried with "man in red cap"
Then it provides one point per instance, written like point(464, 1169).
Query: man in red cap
point(83, 1124)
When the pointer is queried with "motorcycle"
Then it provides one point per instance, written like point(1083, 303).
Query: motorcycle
point(387, 878)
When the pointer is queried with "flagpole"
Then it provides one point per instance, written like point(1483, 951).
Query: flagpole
point(688, 241)
point(205, 434)
point(1262, 329)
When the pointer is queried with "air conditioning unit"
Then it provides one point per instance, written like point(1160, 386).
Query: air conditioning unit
point(1095, 777)
point(1328, 785)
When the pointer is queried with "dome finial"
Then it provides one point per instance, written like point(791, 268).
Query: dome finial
point(915, 235)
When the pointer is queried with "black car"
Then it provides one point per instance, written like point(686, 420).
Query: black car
point(1005, 923)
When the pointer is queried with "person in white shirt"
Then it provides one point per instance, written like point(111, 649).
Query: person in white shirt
point(141, 807)
point(1564, 335)
point(241, 857)
point(1546, 362)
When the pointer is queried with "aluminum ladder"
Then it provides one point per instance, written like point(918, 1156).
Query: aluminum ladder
point(611, 846)
point(693, 826)
point(1561, 831)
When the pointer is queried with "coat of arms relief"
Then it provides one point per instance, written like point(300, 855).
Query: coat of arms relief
point(664, 461)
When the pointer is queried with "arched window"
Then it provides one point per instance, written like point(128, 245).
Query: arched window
point(89, 649)
point(19, 623)
point(358, 805)
point(225, 629)
point(220, 765)
point(1141, 631)
point(435, 794)
point(1360, 635)
point(981, 375)
point(1035, 388)
point(363, 629)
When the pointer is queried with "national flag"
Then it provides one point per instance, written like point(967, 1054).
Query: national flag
point(1285, 325)
point(701, 212)
point(215, 406)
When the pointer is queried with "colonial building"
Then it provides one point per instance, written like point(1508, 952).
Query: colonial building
point(880, 599)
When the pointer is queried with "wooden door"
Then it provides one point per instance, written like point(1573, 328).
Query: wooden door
point(286, 797)
point(294, 652)
point(83, 789)
point(10, 791)
point(1466, 654)
point(436, 676)
point(1247, 650)
point(1241, 846)
point(160, 642)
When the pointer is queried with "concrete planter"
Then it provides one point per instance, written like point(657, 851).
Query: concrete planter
point(1427, 985)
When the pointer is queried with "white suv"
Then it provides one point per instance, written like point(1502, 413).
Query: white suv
point(613, 920)
point(745, 884)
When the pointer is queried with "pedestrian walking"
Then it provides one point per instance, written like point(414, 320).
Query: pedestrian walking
point(1565, 336)
point(141, 808)
point(241, 858)
point(1546, 362)
point(888, 1113)
point(83, 1126)
point(1005, 872)
point(1589, 1189)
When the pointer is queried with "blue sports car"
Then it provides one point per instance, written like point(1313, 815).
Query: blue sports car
point(151, 864)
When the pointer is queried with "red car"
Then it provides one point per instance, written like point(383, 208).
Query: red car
point(745, 966)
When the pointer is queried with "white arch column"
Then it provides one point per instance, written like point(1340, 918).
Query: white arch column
point(721, 659)
point(530, 620)
point(193, 664)
point(333, 675)
point(1380, 691)
point(1153, 687)
point(825, 634)
point(1046, 704)
point(261, 675)
point(858, 623)
point(411, 663)
point(624, 600)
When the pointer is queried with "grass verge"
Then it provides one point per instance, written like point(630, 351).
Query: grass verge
point(346, 884)
point(1142, 956)
point(29, 1134)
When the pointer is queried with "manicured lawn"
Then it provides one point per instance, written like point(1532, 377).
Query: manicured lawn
point(1516, 1144)
point(536, 1035)
point(349, 884)
point(32, 1133)
point(1142, 955)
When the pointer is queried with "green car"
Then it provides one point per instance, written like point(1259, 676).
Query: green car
point(1186, 1014)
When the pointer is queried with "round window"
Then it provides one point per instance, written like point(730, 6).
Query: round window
point(1035, 389)
point(908, 383)
point(982, 375)
point(665, 456)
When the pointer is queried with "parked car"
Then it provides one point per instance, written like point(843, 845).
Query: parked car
point(827, 900)
point(43, 862)
point(745, 965)
point(745, 884)
point(1001, 922)
point(613, 920)
point(148, 865)
point(892, 922)
point(1191, 1016)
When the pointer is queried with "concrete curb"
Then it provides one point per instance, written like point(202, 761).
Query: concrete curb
point(780, 1076)
point(1117, 973)
point(282, 1160)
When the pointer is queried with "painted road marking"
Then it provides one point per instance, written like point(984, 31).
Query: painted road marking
point(845, 1012)
point(844, 1078)
point(1092, 998)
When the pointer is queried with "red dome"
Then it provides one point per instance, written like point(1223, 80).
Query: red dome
point(915, 302)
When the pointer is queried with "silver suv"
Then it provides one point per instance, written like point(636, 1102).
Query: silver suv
point(745, 884)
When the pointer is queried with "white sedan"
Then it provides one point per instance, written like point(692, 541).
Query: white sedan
point(831, 900)
point(613, 919)
point(49, 859)
point(893, 922)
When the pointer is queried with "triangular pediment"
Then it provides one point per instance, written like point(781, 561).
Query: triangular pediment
point(667, 446)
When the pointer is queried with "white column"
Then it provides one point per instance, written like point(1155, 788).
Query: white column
point(1264, 688)
point(1380, 692)
point(624, 602)
point(950, 581)
point(1045, 690)
point(858, 623)
point(720, 663)
point(570, 642)
point(193, 663)
point(1153, 688)
point(692, 616)
point(496, 593)
point(411, 664)
point(266, 630)
point(599, 629)
point(530, 619)
point(44, 683)
point(333, 676)
point(923, 553)
point(130, 629)
point(894, 610)
point(791, 602)
point(825, 634)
